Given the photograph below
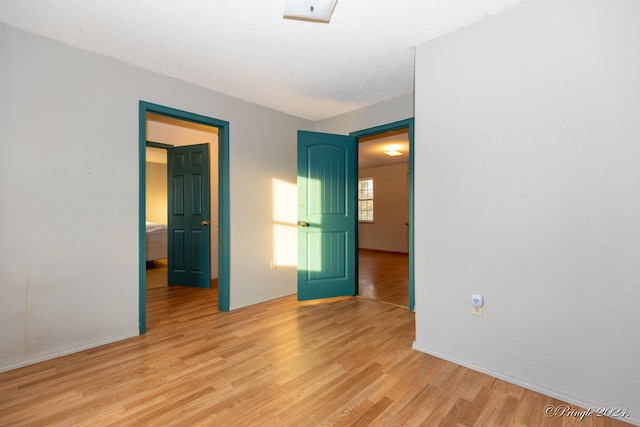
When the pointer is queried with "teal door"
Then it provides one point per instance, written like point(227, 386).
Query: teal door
point(327, 215)
point(189, 235)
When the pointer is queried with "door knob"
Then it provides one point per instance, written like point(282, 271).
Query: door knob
point(304, 224)
point(205, 222)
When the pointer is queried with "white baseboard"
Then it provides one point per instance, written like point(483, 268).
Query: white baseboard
point(66, 352)
point(632, 418)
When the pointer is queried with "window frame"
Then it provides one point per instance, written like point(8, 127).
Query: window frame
point(371, 200)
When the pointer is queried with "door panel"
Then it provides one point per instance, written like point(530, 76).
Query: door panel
point(327, 215)
point(189, 235)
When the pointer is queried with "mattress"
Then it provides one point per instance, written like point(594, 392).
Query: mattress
point(156, 241)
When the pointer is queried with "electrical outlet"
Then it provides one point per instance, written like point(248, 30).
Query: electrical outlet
point(477, 311)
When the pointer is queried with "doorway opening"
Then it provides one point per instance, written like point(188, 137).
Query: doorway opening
point(163, 128)
point(385, 213)
point(180, 199)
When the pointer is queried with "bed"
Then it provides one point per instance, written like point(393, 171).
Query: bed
point(156, 241)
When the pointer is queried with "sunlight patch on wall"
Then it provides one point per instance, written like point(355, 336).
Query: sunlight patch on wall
point(285, 248)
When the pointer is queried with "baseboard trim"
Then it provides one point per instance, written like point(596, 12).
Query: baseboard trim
point(633, 418)
point(66, 352)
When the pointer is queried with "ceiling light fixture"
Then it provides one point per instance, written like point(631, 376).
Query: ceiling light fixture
point(392, 150)
point(309, 10)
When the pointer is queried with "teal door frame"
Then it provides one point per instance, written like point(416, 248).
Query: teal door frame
point(223, 201)
point(401, 124)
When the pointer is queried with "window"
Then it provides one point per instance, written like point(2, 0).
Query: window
point(365, 199)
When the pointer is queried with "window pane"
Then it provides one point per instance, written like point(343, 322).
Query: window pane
point(365, 199)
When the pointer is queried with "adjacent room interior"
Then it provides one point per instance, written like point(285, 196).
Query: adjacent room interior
point(383, 217)
point(164, 132)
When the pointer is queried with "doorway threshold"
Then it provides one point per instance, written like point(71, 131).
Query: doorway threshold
point(383, 302)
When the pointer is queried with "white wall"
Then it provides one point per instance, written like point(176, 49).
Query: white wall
point(528, 191)
point(389, 111)
point(156, 192)
point(389, 230)
point(69, 229)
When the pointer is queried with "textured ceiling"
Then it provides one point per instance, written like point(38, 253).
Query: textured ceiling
point(244, 48)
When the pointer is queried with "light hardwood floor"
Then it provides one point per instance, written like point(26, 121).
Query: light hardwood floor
point(384, 276)
point(342, 361)
point(157, 274)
